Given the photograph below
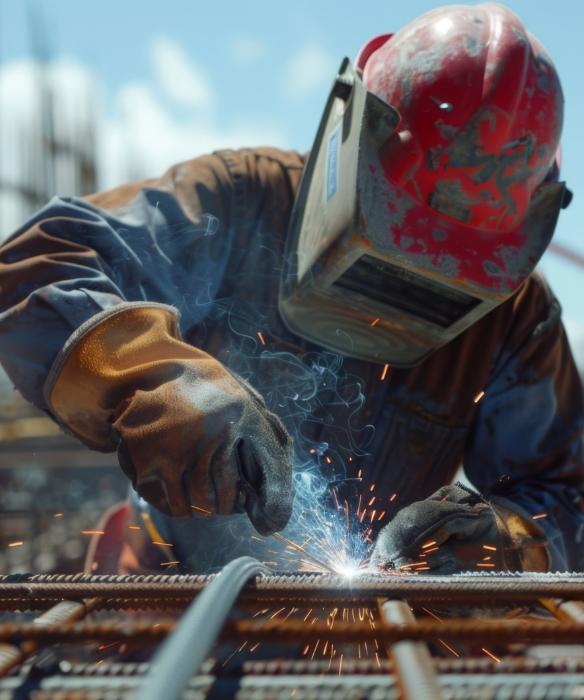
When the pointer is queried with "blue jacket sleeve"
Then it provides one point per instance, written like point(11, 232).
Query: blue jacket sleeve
point(526, 445)
point(163, 240)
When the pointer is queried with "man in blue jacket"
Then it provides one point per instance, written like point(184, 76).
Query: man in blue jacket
point(374, 307)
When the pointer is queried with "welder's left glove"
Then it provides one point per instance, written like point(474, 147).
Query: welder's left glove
point(457, 530)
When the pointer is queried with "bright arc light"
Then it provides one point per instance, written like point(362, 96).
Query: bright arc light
point(347, 570)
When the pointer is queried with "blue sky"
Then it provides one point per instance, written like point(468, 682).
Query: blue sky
point(259, 71)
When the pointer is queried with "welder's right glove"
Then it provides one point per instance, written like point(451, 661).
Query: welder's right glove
point(188, 432)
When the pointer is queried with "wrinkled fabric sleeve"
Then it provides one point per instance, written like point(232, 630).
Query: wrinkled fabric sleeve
point(526, 445)
point(165, 240)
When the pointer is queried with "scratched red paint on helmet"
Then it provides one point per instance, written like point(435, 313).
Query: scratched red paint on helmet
point(481, 116)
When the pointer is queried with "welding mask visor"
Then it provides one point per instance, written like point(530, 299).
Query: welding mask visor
point(372, 273)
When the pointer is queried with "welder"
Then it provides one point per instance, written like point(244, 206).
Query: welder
point(371, 308)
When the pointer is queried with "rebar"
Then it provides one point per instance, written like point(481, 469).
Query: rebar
point(315, 588)
point(63, 612)
point(412, 661)
point(286, 611)
point(153, 630)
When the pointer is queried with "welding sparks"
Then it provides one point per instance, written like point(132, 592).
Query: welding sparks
point(489, 653)
point(92, 532)
point(201, 510)
point(450, 649)
point(540, 516)
point(335, 543)
point(374, 322)
point(478, 397)
point(384, 372)
point(261, 337)
point(16, 544)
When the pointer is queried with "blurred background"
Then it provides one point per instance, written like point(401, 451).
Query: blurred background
point(94, 94)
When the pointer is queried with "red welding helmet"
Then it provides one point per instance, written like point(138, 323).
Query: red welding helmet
point(425, 203)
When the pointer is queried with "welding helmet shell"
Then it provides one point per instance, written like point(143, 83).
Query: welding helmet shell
point(424, 203)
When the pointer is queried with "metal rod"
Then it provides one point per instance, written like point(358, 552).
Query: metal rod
point(423, 630)
point(65, 611)
point(565, 610)
point(297, 631)
point(464, 588)
point(412, 660)
point(181, 655)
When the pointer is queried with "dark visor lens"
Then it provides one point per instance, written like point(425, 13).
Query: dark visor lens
point(400, 289)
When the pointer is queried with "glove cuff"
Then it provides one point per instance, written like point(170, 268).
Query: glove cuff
point(524, 544)
point(114, 354)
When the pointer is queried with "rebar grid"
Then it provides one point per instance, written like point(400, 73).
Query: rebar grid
point(406, 663)
point(472, 587)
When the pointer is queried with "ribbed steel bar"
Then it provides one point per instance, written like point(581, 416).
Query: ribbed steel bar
point(412, 661)
point(319, 667)
point(344, 688)
point(296, 631)
point(191, 642)
point(102, 603)
point(460, 666)
point(66, 611)
point(476, 630)
point(565, 610)
point(314, 588)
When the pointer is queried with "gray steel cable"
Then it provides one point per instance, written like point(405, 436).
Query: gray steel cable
point(182, 654)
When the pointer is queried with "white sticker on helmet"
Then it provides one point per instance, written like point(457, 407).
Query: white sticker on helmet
point(332, 162)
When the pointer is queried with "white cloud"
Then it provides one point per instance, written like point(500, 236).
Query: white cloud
point(150, 139)
point(147, 138)
point(308, 70)
point(181, 79)
point(141, 138)
point(247, 50)
point(74, 93)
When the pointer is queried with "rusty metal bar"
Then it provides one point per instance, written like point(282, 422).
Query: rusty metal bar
point(66, 611)
point(461, 666)
point(422, 630)
point(296, 631)
point(412, 661)
point(314, 588)
point(344, 688)
point(565, 610)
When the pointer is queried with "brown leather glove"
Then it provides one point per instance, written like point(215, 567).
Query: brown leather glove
point(454, 530)
point(188, 432)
